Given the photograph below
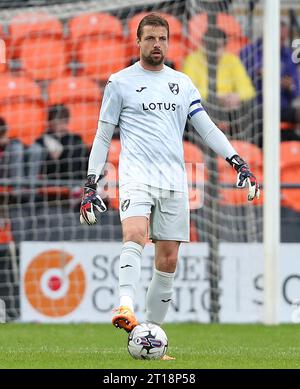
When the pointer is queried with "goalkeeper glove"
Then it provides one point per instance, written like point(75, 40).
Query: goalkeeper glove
point(244, 175)
point(90, 201)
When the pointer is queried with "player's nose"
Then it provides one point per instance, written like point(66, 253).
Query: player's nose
point(157, 42)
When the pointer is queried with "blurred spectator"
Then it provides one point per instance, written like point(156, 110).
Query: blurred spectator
point(252, 57)
point(11, 155)
point(58, 154)
point(233, 85)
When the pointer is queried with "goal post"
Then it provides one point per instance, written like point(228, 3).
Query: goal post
point(271, 136)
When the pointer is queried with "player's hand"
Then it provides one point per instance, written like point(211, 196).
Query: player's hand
point(91, 201)
point(245, 176)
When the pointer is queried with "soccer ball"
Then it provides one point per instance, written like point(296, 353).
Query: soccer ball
point(147, 341)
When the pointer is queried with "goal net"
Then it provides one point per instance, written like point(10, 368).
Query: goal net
point(59, 55)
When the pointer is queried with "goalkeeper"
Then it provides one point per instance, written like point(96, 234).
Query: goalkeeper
point(151, 102)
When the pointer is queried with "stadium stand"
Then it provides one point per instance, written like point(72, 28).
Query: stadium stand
point(98, 44)
point(198, 23)
point(111, 188)
point(196, 173)
point(22, 107)
point(37, 41)
point(82, 96)
point(290, 173)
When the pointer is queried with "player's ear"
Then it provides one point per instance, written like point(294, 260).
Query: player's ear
point(138, 42)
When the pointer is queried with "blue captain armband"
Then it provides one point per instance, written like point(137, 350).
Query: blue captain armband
point(195, 107)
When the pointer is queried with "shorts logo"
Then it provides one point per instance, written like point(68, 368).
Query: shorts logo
point(125, 205)
point(174, 88)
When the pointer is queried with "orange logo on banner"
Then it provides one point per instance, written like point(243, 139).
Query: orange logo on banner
point(54, 283)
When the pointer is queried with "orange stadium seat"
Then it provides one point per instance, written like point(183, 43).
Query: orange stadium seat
point(194, 234)
point(114, 153)
point(98, 43)
point(6, 235)
point(111, 189)
point(177, 44)
point(196, 173)
point(290, 173)
point(252, 154)
point(287, 126)
point(37, 40)
point(3, 67)
point(22, 107)
point(112, 193)
point(82, 97)
point(197, 27)
point(192, 156)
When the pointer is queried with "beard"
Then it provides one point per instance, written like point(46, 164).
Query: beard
point(153, 61)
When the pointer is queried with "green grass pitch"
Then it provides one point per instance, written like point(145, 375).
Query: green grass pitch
point(195, 346)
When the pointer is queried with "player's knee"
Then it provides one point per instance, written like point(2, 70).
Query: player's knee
point(135, 235)
point(168, 262)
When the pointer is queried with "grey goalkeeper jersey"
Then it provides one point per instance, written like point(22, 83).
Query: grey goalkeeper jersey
point(151, 108)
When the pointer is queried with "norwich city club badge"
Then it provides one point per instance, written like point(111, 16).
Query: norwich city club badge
point(174, 88)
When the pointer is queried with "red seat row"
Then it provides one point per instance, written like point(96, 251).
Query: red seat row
point(97, 42)
point(25, 111)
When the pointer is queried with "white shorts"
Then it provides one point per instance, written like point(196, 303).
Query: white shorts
point(167, 210)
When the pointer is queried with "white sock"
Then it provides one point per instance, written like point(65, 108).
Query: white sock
point(158, 296)
point(129, 272)
point(127, 300)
